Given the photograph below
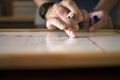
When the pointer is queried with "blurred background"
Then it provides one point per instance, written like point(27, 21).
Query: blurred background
point(23, 14)
point(17, 14)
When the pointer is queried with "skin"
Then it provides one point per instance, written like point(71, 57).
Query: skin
point(102, 11)
point(56, 16)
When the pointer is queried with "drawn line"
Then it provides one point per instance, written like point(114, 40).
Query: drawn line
point(96, 45)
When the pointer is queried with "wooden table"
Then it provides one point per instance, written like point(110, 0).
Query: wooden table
point(80, 62)
point(44, 49)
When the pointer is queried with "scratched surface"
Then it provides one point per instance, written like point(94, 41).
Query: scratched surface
point(59, 41)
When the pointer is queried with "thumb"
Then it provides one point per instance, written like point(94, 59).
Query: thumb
point(96, 26)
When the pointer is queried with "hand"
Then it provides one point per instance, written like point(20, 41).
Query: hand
point(57, 17)
point(104, 22)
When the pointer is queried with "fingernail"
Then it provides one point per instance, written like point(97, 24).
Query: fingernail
point(73, 34)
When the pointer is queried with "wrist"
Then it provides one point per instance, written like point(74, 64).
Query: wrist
point(44, 8)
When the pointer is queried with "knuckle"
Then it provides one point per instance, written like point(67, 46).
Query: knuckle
point(102, 12)
point(78, 13)
point(69, 2)
point(80, 18)
point(61, 10)
point(55, 5)
point(71, 22)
